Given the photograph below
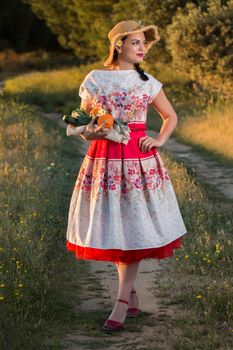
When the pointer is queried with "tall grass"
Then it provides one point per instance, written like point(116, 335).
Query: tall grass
point(55, 90)
point(201, 278)
point(36, 184)
point(35, 193)
point(212, 131)
point(15, 62)
point(204, 119)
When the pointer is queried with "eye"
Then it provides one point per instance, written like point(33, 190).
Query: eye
point(137, 42)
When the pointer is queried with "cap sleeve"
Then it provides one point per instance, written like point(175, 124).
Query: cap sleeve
point(154, 88)
point(88, 88)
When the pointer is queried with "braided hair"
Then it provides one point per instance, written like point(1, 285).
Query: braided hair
point(139, 69)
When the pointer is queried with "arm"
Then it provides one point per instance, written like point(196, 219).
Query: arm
point(91, 133)
point(162, 105)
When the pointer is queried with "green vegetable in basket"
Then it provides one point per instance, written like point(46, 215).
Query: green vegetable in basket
point(78, 117)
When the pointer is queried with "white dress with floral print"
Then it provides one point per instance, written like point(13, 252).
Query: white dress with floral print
point(123, 206)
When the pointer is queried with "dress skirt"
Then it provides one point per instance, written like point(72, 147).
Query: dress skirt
point(123, 207)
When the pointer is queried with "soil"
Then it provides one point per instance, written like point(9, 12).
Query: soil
point(153, 328)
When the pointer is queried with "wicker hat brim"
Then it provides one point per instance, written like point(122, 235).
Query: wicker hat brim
point(151, 33)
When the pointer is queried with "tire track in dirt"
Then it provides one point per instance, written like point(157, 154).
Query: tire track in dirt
point(136, 337)
point(151, 330)
point(204, 170)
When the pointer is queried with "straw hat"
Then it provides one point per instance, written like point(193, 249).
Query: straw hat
point(129, 27)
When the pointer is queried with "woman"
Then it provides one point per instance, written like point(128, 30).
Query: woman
point(123, 208)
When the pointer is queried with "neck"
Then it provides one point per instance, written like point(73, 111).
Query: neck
point(123, 66)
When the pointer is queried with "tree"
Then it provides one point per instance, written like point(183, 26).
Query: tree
point(201, 41)
point(83, 25)
point(21, 30)
point(79, 25)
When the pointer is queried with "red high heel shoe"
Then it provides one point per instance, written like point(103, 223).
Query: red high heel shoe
point(133, 311)
point(111, 325)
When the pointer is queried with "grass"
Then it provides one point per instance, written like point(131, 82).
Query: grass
point(54, 91)
point(37, 172)
point(200, 279)
point(12, 62)
point(205, 119)
point(37, 169)
point(212, 132)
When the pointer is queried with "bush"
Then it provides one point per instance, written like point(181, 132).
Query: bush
point(200, 41)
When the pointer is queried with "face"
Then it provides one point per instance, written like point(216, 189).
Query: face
point(133, 49)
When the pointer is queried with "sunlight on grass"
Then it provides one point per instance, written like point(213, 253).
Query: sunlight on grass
point(57, 91)
point(51, 90)
point(203, 280)
point(35, 190)
point(212, 131)
point(35, 193)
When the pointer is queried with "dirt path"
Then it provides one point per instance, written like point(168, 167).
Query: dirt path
point(153, 328)
point(145, 285)
point(205, 171)
point(139, 333)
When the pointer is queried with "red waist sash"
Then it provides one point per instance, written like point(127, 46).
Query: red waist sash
point(137, 127)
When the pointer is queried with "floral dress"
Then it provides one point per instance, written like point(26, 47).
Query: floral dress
point(123, 207)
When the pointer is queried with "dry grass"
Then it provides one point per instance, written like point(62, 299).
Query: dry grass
point(212, 131)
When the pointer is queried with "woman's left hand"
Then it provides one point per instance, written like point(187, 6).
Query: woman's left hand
point(146, 143)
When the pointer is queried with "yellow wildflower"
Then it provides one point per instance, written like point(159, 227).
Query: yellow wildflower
point(217, 248)
point(199, 296)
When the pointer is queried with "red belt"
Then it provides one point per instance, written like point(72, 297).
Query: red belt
point(137, 127)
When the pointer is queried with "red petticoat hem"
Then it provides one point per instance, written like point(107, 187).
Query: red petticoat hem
point(126, 256)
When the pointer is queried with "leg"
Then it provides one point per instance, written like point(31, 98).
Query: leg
point(127, 276)
point(132, 298)
point(133, 288)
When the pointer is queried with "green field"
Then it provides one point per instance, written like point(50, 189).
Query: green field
point(37, 175)
point(202, 123)
point(38, 170)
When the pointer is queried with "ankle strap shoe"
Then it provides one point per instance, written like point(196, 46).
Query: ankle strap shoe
point(112, 325)
point(133, 311)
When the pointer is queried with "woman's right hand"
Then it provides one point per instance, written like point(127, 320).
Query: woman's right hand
point(98, 133)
